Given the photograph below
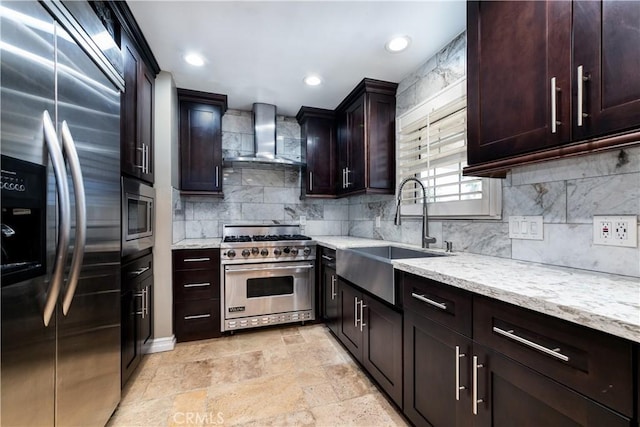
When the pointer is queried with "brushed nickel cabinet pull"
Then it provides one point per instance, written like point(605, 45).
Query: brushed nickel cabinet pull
point(475, 402)
point(581, 79)
point(551, 352)
point(422, 298)
point(197, 259)
point(196, 285)
point(457, 362)
point(197, 316)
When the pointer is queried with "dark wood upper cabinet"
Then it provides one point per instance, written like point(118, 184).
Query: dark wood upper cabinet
point(550, 79)
point(201, 141)
point(366, 139)
point(515, 51)
point(318, 132)
point(136, 126)
point(606, 38)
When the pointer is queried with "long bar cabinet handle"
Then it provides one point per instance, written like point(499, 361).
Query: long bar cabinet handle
point(217, 176)
point(334, 294)
point(197, 259)
point(581, 79)
point(196, 285)
point(197, 316)
point(457, 362)
point(422, 298)
point(310, 181)
point(551, 352)
point(474, 396)
point(355, 312)
point(362, 307)
point(554, 106)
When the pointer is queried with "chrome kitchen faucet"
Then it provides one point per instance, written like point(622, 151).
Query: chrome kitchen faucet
point(426, 240)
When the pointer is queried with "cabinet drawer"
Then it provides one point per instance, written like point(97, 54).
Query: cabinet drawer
point(196, 259)
point(136, 271)
point(443, 303)
point(593, 363)
point(197, 320)
point(189, 285)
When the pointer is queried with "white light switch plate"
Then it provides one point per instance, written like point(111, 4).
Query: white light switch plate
point(526, 227)
point(616, 231)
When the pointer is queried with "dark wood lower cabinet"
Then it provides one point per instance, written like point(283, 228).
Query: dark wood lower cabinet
point(514, 395)
point(436, 362)
point(329, 283)
point(136, 313)
point(372, 332)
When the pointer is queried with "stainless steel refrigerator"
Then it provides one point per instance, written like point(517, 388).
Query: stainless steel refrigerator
point(60, 135)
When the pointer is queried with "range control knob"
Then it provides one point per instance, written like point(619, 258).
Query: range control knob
point(231, 253)
point(277, 252)
point(264, 252)
point(294, 251)
point(246, 252)
point(254, 251)
point(286, 250)
point(306, 251)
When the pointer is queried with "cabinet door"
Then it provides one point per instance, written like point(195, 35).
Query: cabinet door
point(200, 147)
point(320, 138)
point(515, 50)
point(330, 298)
point(436, 362)
point(514, 395)
point(606, 40)
point(349, 318)
point(145, 121)
point(130, 356)
point(356, 162)
point(131, 156)
point(382, 346)
point(381, 147)
point(145, 326)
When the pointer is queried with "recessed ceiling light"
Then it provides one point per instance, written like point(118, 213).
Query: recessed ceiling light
point(312, 80)
point(194, 59)
point(398, 44)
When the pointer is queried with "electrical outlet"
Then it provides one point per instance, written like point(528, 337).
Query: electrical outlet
point(526, 227)
point(377, 222)
point(303, 220)
point(616, 230)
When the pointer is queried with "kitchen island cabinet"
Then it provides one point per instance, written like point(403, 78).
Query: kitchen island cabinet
point(372, 332)
point(329, 288)
point(548, 79)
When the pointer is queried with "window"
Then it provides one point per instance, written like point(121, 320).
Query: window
point(433, 148)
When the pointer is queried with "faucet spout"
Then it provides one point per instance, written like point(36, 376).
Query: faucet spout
point(426, 239)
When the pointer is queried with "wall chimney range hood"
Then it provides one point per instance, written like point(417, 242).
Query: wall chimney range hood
point(264, 140)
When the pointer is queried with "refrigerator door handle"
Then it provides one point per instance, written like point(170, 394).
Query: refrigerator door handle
point(64, 217)
point(81, 217)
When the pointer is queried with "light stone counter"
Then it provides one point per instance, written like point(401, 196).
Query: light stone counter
point(605, 302)
point(197, 243)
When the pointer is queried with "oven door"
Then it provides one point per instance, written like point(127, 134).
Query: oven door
point(268, 288)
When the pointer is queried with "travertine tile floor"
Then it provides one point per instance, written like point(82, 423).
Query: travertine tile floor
point(295, 376)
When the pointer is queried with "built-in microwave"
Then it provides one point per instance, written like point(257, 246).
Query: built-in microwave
point(138, 205)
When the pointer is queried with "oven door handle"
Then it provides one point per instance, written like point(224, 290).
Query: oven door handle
point(289, 267)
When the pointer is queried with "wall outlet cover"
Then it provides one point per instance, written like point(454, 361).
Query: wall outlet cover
point(616, 231)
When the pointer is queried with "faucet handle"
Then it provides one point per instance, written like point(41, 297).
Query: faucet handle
point(448, 246)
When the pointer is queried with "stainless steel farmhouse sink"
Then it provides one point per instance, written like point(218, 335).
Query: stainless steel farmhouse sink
point(371, 268)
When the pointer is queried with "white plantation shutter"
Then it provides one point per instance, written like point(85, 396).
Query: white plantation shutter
point(433, 148)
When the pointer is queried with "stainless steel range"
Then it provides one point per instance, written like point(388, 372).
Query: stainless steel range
point(268, 276)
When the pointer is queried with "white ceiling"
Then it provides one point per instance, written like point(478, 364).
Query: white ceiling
point(260, 51)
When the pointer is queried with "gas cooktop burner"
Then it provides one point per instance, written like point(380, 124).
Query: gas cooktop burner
point(278, 237)
point(237, 239)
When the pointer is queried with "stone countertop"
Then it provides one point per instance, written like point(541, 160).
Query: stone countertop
point(197, 243)
point(605, 302)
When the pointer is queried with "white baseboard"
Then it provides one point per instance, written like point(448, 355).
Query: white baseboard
point(159, 345)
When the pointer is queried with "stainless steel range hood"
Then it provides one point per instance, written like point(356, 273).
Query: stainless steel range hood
point(264, 140)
